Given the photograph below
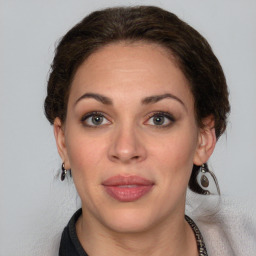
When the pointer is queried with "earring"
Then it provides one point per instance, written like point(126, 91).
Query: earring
point(204, 180)
point(204, 177)
point(63, 172)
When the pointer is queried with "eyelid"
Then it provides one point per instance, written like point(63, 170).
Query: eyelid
point(94, 113)
point(165, 114)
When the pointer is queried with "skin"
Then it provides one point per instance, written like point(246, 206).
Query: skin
point(129, 141)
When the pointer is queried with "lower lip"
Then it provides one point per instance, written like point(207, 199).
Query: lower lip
point(128, 193)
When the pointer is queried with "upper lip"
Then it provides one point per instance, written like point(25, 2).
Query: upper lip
point(120, 180)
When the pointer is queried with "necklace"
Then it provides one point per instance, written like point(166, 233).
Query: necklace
point(199, 238)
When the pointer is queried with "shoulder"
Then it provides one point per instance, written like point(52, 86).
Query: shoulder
point(228, 226)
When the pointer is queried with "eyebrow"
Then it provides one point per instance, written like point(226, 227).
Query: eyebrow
point(103, 99)
point(156, 98)
point(148, 100)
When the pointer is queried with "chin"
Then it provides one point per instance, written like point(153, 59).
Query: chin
point(129, 220)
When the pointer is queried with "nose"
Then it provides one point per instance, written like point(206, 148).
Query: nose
point(127, 146)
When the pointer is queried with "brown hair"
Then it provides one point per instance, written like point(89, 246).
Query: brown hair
point(143, 23)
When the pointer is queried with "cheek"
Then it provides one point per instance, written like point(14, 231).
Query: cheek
point(175, 153)
point(85, 154)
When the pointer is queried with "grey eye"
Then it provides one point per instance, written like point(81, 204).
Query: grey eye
point(94, 119)
point(97, 120)
point(159, 120)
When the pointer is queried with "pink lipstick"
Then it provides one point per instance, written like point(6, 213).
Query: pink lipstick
point(127, 188)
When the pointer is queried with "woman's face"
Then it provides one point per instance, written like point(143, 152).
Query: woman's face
point(130, 137)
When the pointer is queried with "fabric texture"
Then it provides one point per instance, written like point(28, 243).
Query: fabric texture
point(70, 245)
point(228, 228)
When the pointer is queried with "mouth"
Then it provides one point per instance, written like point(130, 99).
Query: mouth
point(127, 188)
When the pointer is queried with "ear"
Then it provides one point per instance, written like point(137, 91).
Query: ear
point(60, 141)
point(206, 141)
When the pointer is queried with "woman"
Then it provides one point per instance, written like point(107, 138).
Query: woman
point(137, 100)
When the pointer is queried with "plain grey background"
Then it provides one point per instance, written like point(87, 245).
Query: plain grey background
point(34, 204)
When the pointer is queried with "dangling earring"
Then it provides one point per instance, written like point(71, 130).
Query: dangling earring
point(203, 178)
point(63, 172)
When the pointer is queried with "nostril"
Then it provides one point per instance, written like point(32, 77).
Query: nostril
point(125, 158)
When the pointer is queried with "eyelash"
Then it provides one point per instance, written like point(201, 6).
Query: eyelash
point(151, 115)
point(91, 114)
point(162, 114)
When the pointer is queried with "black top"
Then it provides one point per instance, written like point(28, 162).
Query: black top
point(70, 245)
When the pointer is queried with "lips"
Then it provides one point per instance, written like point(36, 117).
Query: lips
point(127, 188)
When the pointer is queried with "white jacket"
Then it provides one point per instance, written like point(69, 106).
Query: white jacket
point(228, 227)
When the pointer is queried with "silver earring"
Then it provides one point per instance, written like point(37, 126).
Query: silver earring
point(204, 180)
point(204, 177)
point(63, 172)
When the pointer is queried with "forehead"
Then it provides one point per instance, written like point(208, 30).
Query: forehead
point(130, 69)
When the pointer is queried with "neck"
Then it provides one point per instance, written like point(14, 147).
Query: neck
point(171, 237)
